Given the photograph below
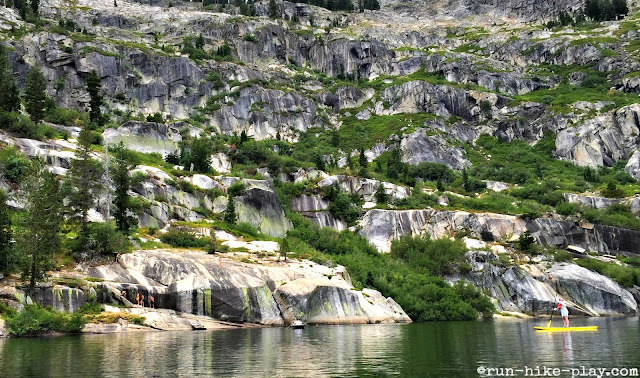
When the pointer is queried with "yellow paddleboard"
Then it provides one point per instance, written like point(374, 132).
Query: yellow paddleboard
point(565, 329)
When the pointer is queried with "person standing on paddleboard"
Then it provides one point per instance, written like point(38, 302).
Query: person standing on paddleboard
point(564, 311)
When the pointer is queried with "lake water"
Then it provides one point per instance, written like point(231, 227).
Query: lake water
point(449, 349)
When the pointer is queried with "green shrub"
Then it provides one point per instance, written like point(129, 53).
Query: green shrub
point(238, 188)
point(247, 228)
point(470, 294)
point(527, 243)
point(562, 256)
point(14, 164)
point(90, 308)
point(34, 320)
point(623, 275)
point(438, 256)
point(184, 239)
point(567, 208)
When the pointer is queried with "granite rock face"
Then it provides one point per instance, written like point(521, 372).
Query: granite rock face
point(419, 147)
point(381, 227)
point(201, 284)
point(602, 140)
point(533, 289)
point(145, 137)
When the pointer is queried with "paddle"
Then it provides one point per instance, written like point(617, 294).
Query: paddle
point(549, 324)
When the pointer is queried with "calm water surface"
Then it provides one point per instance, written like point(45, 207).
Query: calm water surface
point(450, 349)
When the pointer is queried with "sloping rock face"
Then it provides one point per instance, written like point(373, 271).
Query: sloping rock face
point(278, 112)
point(381, 227)
point(602, 140)
point(202, 284)
point(419, 147)
point(366, 188)
point(597, 294)
point(420, 96)
point(533, 289)
point(145, 137)
point(602, 202)
point(597, 238)
point(633, 166)
point(262, 209)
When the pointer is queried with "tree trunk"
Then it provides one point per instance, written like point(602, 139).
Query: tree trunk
point(32, 283)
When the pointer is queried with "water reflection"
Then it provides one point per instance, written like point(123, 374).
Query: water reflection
point(430, 350)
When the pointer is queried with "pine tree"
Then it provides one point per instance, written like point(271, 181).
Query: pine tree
point(620, 7)
point(243, 137)
point(200, 42)
point(38, 234)
point(394, 164)
point(6, 235)
point(381, 194)
point(274, 12)
point(230, 212)
point(592, 9)
point(9, 94)
point(362, 159)
point(35, 6)
point(84, 179)
point(284, 248)
point(93, 87)
point(35, 94)
point(124, 161)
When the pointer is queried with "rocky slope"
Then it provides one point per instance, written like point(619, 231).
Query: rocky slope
point(221, 288)
point(430, 81)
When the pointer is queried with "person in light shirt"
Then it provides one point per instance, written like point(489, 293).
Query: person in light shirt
point(564, 311)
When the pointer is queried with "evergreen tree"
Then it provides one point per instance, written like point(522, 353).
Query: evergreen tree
point(592, 9)
point(284, 248)
point(362, 159)
point(35, 6)
point(243, 137)
point(381, 194)
point(274, 11)
point(230, 212)
point(35, 94)
point(9, 95)
point(394, 164)
point(335, 138)
point(200, 42)
point(6, 235)
point(620, 7)
point(38, 234)
point(124, 161)
point(244, 9)
point(93, 87)
point(607, 12)
point(84, 179)
point(201, 155)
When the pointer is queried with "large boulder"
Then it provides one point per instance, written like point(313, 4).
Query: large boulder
point(597, 294)
point(633, 166)
point(419, 147)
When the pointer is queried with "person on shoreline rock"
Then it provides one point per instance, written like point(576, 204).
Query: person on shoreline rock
point(564, 311)
point(152, 301)
point(142, 300)
point(138, 299)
